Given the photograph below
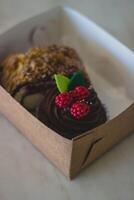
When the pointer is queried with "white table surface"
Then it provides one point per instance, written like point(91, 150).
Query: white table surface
point(24, 173)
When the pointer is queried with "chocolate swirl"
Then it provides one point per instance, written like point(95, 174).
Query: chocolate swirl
point(62, 122)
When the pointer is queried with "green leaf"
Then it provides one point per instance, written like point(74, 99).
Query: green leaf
point(76, 79)
point(62, 82)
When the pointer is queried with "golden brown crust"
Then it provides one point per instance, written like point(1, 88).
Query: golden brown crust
point(37, 63)
point(11, 68)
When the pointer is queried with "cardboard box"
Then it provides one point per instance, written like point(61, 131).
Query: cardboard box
point(111, 69)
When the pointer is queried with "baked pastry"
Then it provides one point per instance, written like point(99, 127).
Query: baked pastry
point(37, 64)
point(29, 74)
point(52, 84)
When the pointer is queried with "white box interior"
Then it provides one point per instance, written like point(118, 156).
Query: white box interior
point(110, 64)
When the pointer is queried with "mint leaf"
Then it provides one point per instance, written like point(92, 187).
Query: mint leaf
point(62, 82)
point(76, 80)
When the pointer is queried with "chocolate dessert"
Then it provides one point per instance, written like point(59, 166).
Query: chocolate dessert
point(52, 84)
point(64, 120)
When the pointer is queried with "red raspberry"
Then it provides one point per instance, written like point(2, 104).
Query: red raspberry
point(63, 100)
point(80, 92)
point(79, 110)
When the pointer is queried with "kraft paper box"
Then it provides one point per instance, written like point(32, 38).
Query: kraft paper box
point(111, 68)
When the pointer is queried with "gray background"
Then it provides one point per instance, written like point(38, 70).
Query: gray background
point(116, 16)
point(24, 172)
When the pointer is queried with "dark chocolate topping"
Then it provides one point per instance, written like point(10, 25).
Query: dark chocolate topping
point(62, 122)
